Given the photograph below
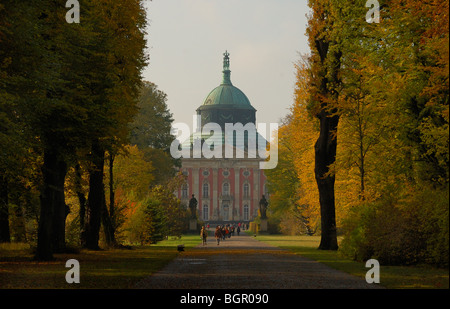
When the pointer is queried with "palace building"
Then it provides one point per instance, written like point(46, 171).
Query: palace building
point(228, 189)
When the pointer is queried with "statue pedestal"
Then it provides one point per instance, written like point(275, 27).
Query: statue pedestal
point(193, 224)
point(263, 225)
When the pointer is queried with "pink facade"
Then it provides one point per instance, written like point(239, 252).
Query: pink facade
point(226, 190)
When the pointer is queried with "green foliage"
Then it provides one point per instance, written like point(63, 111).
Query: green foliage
point(400, 230)
point(151, 126)
point(150, 132)
point(404, 217)
point(431, 208)
point(159, 215)
point(132, 172)
point(147, 224)
point(388, 84)
point(283, 180)
point(63, 88)
point(155, 221)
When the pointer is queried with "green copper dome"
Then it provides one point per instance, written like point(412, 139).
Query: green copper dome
point(226, 95)
point(226, 105)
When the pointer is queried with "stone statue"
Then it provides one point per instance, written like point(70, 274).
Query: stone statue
point(193, 207)
point(263, 207)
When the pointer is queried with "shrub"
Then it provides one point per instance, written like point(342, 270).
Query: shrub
point(400, 230)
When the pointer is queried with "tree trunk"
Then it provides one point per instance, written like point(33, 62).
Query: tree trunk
point(108, 216)
point(51, 231)
point(325, 147)
point(111, 189)
point(108, 227)
point(80, 195)
point(95, 199)
point(5, 235)
point(325, 155)
point(61, 211)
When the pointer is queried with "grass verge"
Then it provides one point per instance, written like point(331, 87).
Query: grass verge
point(393, 277)
point(103, 269)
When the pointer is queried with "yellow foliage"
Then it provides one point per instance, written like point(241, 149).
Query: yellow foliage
point(296, 164)
point(132, 172)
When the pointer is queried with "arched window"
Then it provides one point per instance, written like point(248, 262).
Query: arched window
point(246, 190)
point(205, 189)
point(205, 213)
point(246, 213)
point(184, 190)
point(226, 189)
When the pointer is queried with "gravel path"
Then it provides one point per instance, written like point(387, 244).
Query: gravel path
point(242, 262)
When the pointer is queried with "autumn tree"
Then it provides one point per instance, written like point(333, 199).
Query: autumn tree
point(305, 132)
point(364, 117)
point(384, 87)
point(7, 125)
point(159, 215)
point(41, 55)
point(393, 103)
point(294, 195)
point(283, 180)
point(423, 33)
point(120, 59)
point(150, 139)
point(150, 131)
point(325, 60)
point(19, 154)
point(73, 89)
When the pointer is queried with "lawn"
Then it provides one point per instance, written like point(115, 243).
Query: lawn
point(393, 277)
point(103, 269)
point(123, 268)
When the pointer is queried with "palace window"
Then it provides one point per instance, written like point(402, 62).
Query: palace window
point(205, 213)
point(205, 189)
point(246, 190)
point(246, 212)
point(226, 189)
point(184, 190)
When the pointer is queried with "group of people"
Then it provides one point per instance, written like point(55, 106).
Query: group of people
point(222, 232)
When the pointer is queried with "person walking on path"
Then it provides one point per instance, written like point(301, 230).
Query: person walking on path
point(218, 234)
point(204, 235)
point(223, 232)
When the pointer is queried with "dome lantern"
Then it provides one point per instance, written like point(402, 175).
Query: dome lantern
point(226, 69)
point(226, 103)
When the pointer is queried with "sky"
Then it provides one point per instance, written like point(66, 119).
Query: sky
point(187, 38)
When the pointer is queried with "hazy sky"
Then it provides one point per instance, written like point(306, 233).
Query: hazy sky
point(187, 39)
